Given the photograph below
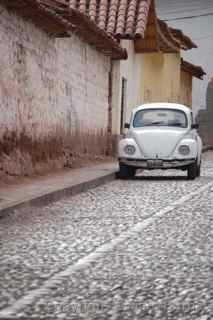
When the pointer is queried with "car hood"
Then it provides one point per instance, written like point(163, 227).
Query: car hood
point(158, 143)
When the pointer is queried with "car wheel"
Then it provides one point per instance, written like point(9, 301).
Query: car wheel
point(192, 171)
point(126, 171)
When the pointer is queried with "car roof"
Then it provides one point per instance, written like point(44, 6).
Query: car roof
point(162, 105)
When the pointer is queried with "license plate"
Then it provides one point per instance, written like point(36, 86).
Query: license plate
point(155, 163)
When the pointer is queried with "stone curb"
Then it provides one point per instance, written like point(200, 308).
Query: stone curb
point(57, 195)
point(207, 148)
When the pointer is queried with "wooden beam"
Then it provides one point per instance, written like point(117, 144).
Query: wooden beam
point(146, 45)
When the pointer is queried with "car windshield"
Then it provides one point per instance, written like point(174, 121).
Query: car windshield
point(160, 117)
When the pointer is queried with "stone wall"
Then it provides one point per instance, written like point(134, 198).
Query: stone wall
point(205, 118)
point(53, 99)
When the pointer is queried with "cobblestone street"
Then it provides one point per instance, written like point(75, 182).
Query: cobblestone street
point(130, 249)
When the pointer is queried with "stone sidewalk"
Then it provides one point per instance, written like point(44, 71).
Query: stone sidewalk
point(43, 190)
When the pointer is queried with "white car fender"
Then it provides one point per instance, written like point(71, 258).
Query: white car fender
point(192, 144)
point(128, 141)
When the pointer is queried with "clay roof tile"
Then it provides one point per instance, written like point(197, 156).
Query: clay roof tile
point(82, 6)
point(92, 9)
point(142, 18)
point(73, 4)
point(130, 21)
point(112, 16)
point(121, 18)
point(102, 14)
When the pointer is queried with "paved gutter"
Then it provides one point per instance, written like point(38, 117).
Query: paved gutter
point(40, 192)
point(207, 148)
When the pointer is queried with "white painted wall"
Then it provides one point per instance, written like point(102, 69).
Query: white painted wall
point(130, 69)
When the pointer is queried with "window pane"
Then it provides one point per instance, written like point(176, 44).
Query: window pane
point(160, 117)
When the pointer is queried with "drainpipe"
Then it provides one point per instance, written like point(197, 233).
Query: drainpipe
point(109, 126)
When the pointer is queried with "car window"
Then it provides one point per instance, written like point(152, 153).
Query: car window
point(160, 117)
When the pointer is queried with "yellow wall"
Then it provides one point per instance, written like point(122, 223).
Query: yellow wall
point(186, 88)
point(160, 77)
point(151, 77)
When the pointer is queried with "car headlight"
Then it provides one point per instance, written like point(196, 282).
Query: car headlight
point(184, 150)
point(129, 149)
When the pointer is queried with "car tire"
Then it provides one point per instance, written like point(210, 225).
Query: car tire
point(192, 171)
point(198, 170)
point(126, 171)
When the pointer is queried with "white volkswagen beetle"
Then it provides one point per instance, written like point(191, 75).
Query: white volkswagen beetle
point(160, 136)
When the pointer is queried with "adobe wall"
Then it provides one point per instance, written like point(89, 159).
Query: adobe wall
point(53, 99)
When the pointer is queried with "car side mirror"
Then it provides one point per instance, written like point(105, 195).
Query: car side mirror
point(195, 126)
point(127, 126)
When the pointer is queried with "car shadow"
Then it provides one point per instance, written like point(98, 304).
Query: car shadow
point(153, 178)
point(159, 178)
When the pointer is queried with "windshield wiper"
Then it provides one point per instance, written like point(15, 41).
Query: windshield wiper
point(176, 124)
point(158, 123)
point(155, 123)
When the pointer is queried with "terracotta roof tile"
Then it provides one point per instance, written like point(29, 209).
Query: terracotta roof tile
point(121, 18)
point(131, 17)
point(82, 6)
point(102, 14)
point(73, 3)
point(142, 18)
point(112, 16)
point(92, 9)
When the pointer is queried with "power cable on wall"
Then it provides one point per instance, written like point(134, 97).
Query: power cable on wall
point(189, 17)
point(204, 37)
point(187, 9)
point(166, 5)
point(178, 6)
point(182, 3)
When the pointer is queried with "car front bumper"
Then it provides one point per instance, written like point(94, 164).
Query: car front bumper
point(151, 164)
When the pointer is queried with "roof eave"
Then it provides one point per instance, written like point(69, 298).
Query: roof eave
point(186, 42)
point(59, 20)
point(195, 71)
point(168, 42)
point(95, 36)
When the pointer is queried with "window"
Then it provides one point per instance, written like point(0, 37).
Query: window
point(160, 117)
point(123, 104)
